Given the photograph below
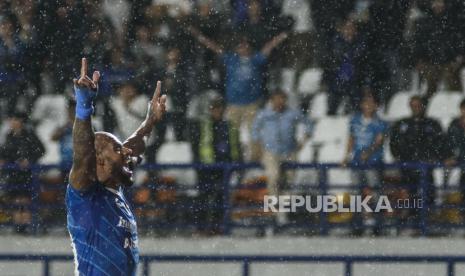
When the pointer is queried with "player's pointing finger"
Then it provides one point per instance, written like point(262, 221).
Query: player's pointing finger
point(83, 67)
point(157, 93)
point(96, 77)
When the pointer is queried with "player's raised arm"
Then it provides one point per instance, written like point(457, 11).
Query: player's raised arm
point(83, 171)
point(155, 111)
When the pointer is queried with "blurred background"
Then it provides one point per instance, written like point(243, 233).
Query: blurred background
point(270, 97)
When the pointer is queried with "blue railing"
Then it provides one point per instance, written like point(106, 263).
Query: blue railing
point(247, 260)
point(322, 225)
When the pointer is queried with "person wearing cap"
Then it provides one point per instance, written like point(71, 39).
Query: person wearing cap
point(214, 141)
point(23, 148)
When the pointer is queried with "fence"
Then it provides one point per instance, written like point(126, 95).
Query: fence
point(321, 225)
point(247, 260)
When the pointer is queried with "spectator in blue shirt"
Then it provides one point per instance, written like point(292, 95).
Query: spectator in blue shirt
point(365, 147)
point(244, 71)
point(366, 140)
point(275, 130)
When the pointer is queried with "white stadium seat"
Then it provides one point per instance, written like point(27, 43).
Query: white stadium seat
point(332, 153)
point(444, 104)
point(288, 86)
point(52, 150)
point(388, 158)
point(177, 153)
point(309, 81)
point(398, 107)
point(332, 134)
point(50, 111)
point(331, 129)
point(339, 177)
point(50, 107)
point(305, 155)
point(319, 105)
point(445, 122)
point(287, 79)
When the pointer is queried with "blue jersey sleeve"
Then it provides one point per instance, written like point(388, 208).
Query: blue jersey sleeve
point(79, 205)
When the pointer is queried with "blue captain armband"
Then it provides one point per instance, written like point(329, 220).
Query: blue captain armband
point(84, 102)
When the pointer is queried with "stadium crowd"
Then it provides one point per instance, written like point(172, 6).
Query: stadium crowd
point(221, 64)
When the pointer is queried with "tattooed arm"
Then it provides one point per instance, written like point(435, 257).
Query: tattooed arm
point(83, 171)
point(155, 111)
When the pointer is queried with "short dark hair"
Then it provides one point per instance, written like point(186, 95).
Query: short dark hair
point(278, 92)
point(217, 102)
point(19, 115)
point(418, 98)
point(369, 97)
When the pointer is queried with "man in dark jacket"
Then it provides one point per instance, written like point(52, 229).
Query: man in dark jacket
point(456, 139)
point(324, 16)
point(384, 35)
point(214, 140)
point(23, 148)
point(418, 139)
point(347, 52)
point(176, 87)
point(436, 48)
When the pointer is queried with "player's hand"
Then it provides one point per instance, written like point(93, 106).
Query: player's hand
point(84, 81)
point(157, 106)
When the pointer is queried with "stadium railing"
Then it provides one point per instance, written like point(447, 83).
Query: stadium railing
point(247, 260)
point(321, 226)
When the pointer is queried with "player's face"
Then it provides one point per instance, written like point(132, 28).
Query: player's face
point(116, 162)
point(120, 158)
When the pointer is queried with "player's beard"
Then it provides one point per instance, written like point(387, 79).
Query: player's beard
point(125, 174)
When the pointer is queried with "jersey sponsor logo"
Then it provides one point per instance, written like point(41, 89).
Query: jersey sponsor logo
point(123, 206)
point(128, 225)
point(130, 243)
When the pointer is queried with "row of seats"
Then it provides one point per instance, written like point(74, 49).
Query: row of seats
point(443, 106)
point(327, 144)
point(309, 81)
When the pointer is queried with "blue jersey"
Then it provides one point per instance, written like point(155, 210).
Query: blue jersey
point(364, 134)
point(243, 78)
point(103, 231)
